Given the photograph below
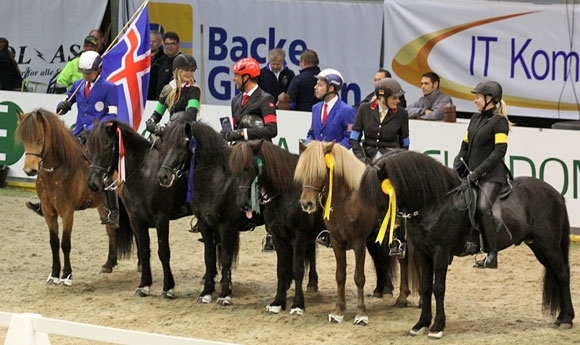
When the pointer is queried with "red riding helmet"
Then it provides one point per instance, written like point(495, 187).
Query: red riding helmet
point(247, 66)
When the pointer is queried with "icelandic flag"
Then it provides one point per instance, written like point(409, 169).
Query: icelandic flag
point(127, 64)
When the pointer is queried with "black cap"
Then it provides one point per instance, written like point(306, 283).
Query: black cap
point(91, 40)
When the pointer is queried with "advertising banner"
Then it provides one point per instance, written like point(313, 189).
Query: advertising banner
point(532, 50)
point(45, 35)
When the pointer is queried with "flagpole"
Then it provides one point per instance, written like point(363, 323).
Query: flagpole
point(202, 63)
point(143, 4)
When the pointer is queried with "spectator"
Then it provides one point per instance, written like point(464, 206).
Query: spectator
point(301, 87)
point(171, 44)
point(380, 74)
point(98, 34)
point(275, 76)
point(157, 54)
point(253, 112)
point(181, 95)
point(70, 73)
point(332, 119)
point(384, 124)
point(97, 100)
point(431, 105)
point(10, 75)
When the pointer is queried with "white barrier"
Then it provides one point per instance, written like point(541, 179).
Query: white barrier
point(33, 329)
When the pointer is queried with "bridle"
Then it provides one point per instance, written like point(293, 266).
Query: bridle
point(40, 155)
point(178, 172)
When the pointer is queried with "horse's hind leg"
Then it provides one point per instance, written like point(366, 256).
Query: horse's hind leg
point(404, 289)
point(380, 258)
point(312, 285)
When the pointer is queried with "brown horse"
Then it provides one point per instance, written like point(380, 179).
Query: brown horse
point(54, 156)
point(330, 174)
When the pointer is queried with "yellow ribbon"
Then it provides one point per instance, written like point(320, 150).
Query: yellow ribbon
point(388, 189)
point(330, 165)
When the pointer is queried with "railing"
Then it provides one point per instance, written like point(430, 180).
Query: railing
point(33, 329)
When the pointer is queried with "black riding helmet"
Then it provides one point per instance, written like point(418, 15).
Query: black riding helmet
point(489, 88)
point(387, 87)
point(184, 61)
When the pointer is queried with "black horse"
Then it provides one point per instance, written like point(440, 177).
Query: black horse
point(432, 197)
point(202, 151)
point(148, 204)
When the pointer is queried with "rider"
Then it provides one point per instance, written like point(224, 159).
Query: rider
point(253, 112)
point(181, 95)
point(96, 99)
point(483, 149)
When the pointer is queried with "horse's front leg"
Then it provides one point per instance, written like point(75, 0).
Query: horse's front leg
point(228, 242)
point(426, 290)
point(52, 222)
point(299, 256)
point(283, 274)
point(142, 234)
point(210, 260)
point(112, 256)
point(441, 260)
point(340, 255)
point(164, 254)
point(361, 317)
point(312, 285)
point(67, 224)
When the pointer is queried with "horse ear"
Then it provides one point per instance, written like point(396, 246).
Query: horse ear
point(187, 128)
point(328, 147)
point(301, 146)
point(381, 171)
point(258, 146)
point(20, 115)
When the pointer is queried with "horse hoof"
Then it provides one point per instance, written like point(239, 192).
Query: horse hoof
point(297, 311)
point(52, 280)
point(401, 304)
point(420, 331)
point(335, 318)
point(143, 291)
point(273, 309)
point(170, 294)
point(205, 299)
point(435, 335)
point(105, 269)
point(312, 288)
point(377, 295)
point(66, 281)
point(565, 326)
point(361, 321)
point(224, 301)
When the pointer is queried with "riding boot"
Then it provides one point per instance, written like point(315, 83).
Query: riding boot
point(35, 206)
point(268, 245)
point(323, 238)
point(489, 229)
point(112, 204)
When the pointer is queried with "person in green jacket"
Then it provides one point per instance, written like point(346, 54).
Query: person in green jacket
point(70, 73)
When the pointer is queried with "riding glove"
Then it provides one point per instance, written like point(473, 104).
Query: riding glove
point(151, 124)
point(63, 107)
point(233, 135)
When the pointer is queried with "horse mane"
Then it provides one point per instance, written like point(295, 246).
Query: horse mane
point(58, 140)
point(418, 179)
point(312, 166)
point(277, 163)
point(212, 148)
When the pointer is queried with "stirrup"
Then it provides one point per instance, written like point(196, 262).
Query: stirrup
point(323, 238)
point(398, 248)
point(194, 228)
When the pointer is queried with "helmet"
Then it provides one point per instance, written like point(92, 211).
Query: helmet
point(489, 88)
point(89, 61)
point(331, 77)
point(184, 61)
point(247, 66)
point(388, 87)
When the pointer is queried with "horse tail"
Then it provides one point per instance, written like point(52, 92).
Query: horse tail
point(556, 277)
point(124, 235)
point(413, 269)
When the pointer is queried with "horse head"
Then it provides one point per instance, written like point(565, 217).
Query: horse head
point(246, 164)
point(102, 151)
point(30, 132)
point(312, 172)
point(176, 151)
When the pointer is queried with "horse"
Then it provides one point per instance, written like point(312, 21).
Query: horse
point(329, 172)
point(55, 157)
point(200, 150)
point(431, 195)
point(115, 147)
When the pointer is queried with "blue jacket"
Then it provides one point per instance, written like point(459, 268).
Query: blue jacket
point(338, 124)
point(101, 104)
point(301, 89)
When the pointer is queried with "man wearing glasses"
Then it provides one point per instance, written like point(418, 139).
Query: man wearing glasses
point(171, 45)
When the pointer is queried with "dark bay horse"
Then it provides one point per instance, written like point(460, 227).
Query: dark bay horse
point(147, 203)
point(55, 157)
point(439, 227)
point(275, 194)
point(198, 149)
point(330, 174)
